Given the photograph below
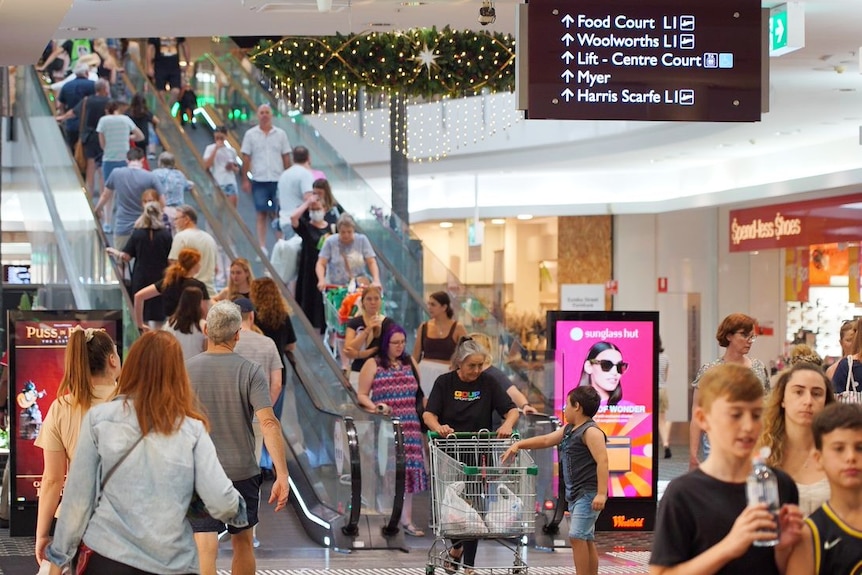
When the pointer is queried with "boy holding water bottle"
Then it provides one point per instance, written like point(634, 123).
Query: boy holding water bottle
point(705, 524)
point(832, 535)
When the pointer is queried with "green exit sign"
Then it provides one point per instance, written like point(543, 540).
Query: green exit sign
point(778, 28)
point(786, 28)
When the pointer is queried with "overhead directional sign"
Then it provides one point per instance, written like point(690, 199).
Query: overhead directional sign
point(644, 60)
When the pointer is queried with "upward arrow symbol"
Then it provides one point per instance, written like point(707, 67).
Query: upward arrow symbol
point(567, 94)
point(567, 56)
point(567, 76)
point(567, 20)
point(568, 39)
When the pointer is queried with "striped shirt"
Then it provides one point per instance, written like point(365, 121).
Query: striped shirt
point(117, 129)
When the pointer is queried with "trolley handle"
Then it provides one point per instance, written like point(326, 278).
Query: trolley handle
point(481, 434)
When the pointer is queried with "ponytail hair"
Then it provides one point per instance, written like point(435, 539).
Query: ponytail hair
point(87, 355)
point(186, 261)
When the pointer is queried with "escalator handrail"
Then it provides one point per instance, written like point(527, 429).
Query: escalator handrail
point(352, 527)
point(391, 528)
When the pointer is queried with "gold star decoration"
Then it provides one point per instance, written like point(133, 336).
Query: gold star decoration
point(426, 58)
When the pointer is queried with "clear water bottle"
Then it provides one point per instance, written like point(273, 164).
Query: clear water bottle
point(762, 487)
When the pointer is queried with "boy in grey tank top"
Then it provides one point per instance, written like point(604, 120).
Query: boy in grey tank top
point(585, 472)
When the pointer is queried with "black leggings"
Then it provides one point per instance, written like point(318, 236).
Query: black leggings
point(468, 553)
point(100, 565)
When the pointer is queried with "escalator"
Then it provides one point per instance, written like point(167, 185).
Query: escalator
point(344, 497)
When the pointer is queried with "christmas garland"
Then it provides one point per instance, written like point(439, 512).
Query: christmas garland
point(421, 62)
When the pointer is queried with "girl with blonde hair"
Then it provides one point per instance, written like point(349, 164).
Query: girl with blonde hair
point(149, 247)
point(91, 369)
point(239, 281)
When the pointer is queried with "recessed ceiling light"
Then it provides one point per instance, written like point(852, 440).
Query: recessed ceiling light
point(525, 217)
point(79, 28)
point(379, 24)
point(446, 225)
point(412, 4)
point(498, 221)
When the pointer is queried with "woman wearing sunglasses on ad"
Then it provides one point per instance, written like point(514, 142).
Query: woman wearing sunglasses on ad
point(603, 370)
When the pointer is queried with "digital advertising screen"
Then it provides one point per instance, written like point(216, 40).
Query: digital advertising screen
point(616, 353)
point(37, 349)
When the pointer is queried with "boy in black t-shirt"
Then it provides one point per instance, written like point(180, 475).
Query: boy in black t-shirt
point(704, 524)
point(832, 535)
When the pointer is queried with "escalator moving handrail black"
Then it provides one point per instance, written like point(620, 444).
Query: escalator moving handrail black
point(391, 528)
point(352, 527)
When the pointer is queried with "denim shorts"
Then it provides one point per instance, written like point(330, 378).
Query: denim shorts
point(265, 196)
point(228, 189)
point(582, 517)
point(250, 491)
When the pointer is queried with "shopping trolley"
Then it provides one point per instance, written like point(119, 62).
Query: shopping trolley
point(475, 496)
point(339, 305)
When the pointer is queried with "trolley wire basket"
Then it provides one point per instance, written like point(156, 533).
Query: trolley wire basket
point(474, 495)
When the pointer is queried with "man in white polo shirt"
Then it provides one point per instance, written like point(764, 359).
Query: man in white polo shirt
point(265, 155)
point(191, 236)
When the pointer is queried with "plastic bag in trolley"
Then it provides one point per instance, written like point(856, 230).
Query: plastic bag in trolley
point(457, 515)
point(504, 512)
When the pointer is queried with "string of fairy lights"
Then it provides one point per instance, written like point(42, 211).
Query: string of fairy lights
point(445, 77)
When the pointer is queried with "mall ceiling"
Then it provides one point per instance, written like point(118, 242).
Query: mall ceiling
point(809, 140)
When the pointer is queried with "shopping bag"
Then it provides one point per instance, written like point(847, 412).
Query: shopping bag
point(285, 257)
point(851, 393)
point(80, 158)
point(457, 515)
point(504, 511)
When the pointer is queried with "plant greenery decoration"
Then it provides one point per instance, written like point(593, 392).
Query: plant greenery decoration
point(420, 62)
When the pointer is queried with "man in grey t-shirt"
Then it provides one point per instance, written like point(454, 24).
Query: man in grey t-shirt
point(232, 390)
point(126, 186)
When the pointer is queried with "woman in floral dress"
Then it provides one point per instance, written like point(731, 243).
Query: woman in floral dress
point(388, 385)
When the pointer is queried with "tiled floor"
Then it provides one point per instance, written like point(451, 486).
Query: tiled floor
point(286, 549)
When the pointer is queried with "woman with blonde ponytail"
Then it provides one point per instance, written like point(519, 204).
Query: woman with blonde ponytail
point(150, 246)
point(178, 276)
point(91, 369)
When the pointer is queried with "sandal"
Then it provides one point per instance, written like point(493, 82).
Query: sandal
point(412, 530)
point(451, 563)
